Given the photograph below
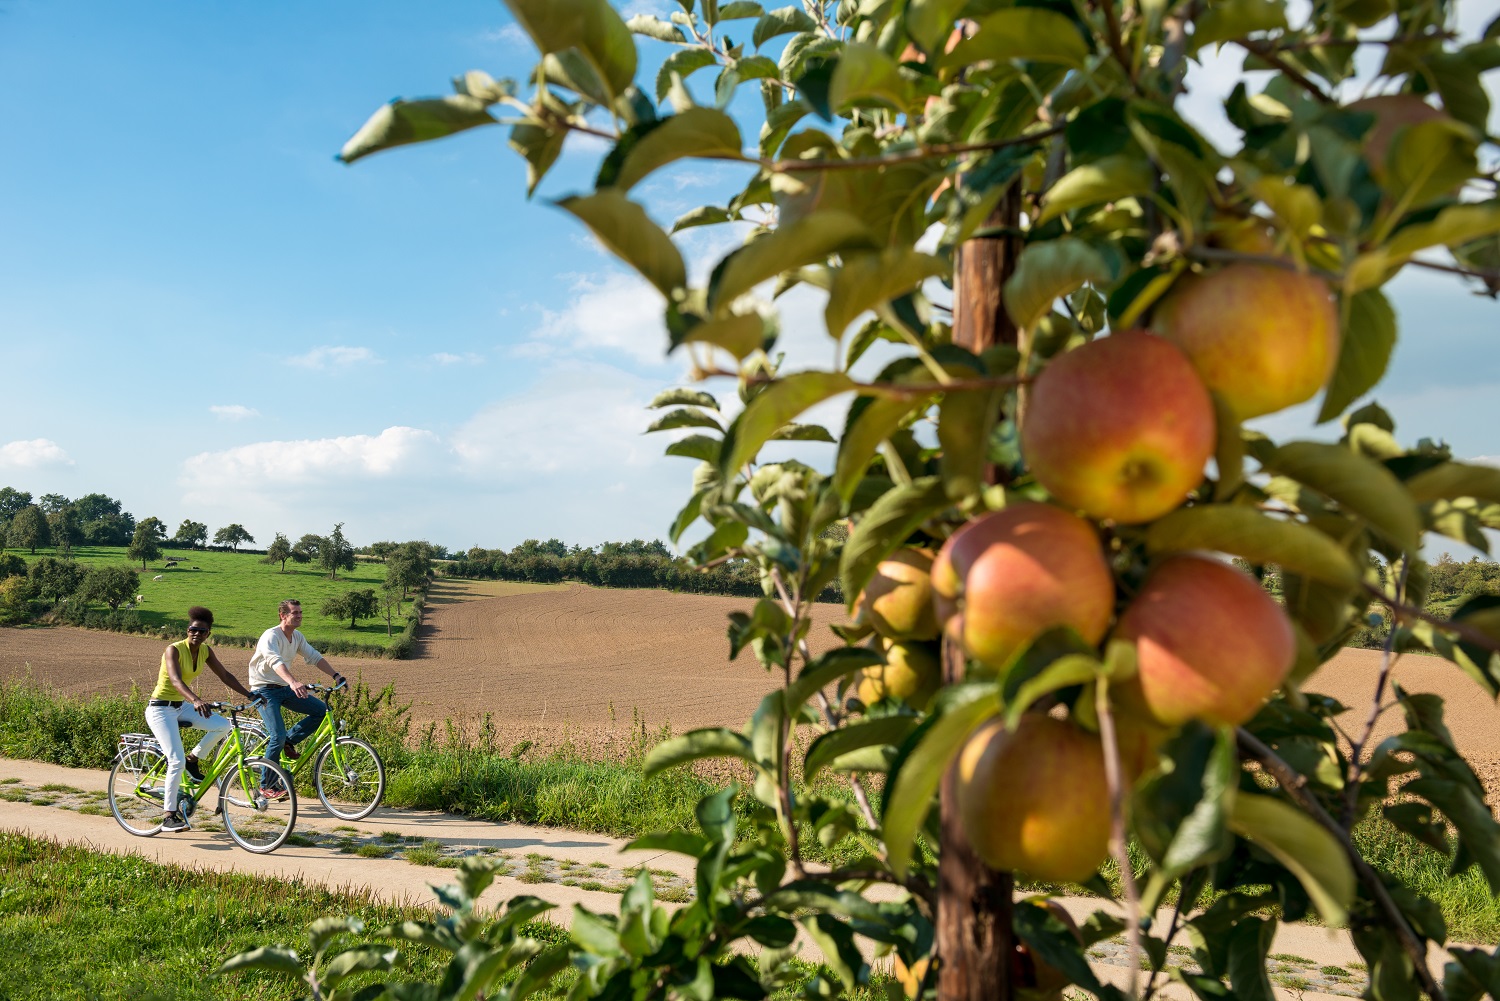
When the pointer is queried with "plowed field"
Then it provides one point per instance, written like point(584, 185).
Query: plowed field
point(557, 660)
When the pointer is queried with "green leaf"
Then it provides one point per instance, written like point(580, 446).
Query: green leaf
point(1227, 20)
point(1065, 671)
point(1203, 835)
point(741, 334)
point(625, 229)
point(869, 280)
point(872, 733)
point(1454, 225)
point(678, 842)
point(914, 779)
point(1430, 159)
point(359, 959)
point(772, 408)
point(1369, 338)
point(835, 940)
point(590, 26)
point(702, 447)
point(540, 972)
point(781, 21)
point(403, 122)
point(696, 133)
point(323, 929)
point(864, 76)
point(868, 426)
point(1478, 833)
point(707, 215)
point(684, 64)
point(965, 420)
point(930, 22)
point(828, 668)
point(684, 418)
point(1452, 480)
point(1033, 34)
point(267, 957)
point(655, 27)
point(809, 240)
point(1362, 486)
point(593, 934)
point(803, 432)
point(884, 528)
point(1045, 272)
point(1246, 532)
point(710, 742)
point(1105, 180)
point(1298, 843)
point(540, 147)
point(683, 396)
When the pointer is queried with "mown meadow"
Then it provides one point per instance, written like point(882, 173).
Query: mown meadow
point(243, 593)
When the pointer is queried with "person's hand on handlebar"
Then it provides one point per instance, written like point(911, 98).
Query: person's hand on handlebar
point(203, 708)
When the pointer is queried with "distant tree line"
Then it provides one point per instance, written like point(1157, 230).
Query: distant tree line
point(636, 563)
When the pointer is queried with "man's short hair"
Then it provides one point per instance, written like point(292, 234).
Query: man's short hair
point(200, 614)
point(287, 605)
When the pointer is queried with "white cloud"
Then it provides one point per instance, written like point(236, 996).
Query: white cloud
point(468, 357)
point(33, 454)
point(614, 312)
point(333, 357)
point(233, 412)
point(509, 34)
point(270, 466)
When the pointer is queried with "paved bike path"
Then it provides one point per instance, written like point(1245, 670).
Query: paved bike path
point(557, 854)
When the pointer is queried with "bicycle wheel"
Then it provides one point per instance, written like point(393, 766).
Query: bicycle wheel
point(136, 790)
point(350, 781)
point(256, 823)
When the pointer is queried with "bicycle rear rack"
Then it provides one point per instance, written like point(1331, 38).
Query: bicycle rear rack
point(137, 742)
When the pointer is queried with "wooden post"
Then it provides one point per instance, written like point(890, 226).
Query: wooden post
point(974, 937)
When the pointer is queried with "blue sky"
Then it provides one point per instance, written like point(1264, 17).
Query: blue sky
point(203, 314)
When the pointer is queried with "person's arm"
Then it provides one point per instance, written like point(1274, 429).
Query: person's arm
point(284, 672)
point(223, 672)
point(174, 674)
point(327, 668)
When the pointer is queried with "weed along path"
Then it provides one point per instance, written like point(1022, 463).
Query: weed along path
point(398, 854)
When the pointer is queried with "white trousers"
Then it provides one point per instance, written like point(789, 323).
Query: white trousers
point(163, 723)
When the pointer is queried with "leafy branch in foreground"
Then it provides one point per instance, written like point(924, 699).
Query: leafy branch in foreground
point(1055, 305)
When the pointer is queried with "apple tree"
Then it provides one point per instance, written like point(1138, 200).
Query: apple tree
point(1080, 301)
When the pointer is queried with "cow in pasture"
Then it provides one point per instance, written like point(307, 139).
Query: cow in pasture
point(158, 576)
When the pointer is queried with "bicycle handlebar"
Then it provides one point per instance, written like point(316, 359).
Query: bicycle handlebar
point(313, 686)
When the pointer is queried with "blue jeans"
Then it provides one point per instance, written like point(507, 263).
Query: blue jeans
point(275, 698)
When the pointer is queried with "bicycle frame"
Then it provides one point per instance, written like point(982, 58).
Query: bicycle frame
point(232, 753)
point(326, 733)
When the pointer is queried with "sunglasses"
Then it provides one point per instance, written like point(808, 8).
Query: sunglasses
point(197, 629)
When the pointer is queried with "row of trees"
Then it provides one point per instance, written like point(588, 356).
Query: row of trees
point(408, 568)
point(53, 520)
point(54, 580)
point(613, 564)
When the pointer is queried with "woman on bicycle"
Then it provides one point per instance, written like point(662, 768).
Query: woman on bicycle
point(173, 701)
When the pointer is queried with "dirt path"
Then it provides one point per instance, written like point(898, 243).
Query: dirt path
point(561, 866)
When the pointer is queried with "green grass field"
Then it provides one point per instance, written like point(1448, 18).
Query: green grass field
point(243, 593)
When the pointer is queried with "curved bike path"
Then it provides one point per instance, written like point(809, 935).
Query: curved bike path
point(553, 853)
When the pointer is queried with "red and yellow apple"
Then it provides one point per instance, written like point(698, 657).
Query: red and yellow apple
point(1211, 644)
point(1009, 576)
point(898, 600)
point(1035, 799)
point(1264, 338)
point(912, 672)
point(1120, 428)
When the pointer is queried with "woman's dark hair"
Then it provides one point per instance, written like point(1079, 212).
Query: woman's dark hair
point(200, 614)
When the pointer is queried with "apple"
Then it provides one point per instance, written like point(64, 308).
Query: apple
point(912, 672)
point(1211, 644)
point(898, 600)
point(1263, 337)
point(1119, 428)
point(1009, 576)
point(1035, 799)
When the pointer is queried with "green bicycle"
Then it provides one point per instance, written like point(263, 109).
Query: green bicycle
point(347, 773)
point(137, 786)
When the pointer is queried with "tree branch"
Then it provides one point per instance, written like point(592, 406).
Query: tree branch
point(1270, 54)
point(1115, 781)
point(1295, 786)
point(906, 156)
point(1356, 766)
point(1404, 611)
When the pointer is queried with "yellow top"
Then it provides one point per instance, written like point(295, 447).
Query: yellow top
point(187, 665)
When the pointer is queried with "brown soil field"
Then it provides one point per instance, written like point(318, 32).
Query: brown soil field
point(554, 662)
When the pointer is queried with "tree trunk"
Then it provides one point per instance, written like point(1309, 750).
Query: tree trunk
point(974, 937)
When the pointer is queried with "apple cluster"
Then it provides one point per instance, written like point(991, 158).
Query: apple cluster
point(1119, 432)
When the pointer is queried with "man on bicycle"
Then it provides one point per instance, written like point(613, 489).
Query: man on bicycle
point(272, 682)
point(181, 663)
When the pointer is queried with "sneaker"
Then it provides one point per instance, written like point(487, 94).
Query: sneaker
point(175, 822)
point(193, 769)
point(290, 752)
point(270, 793)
